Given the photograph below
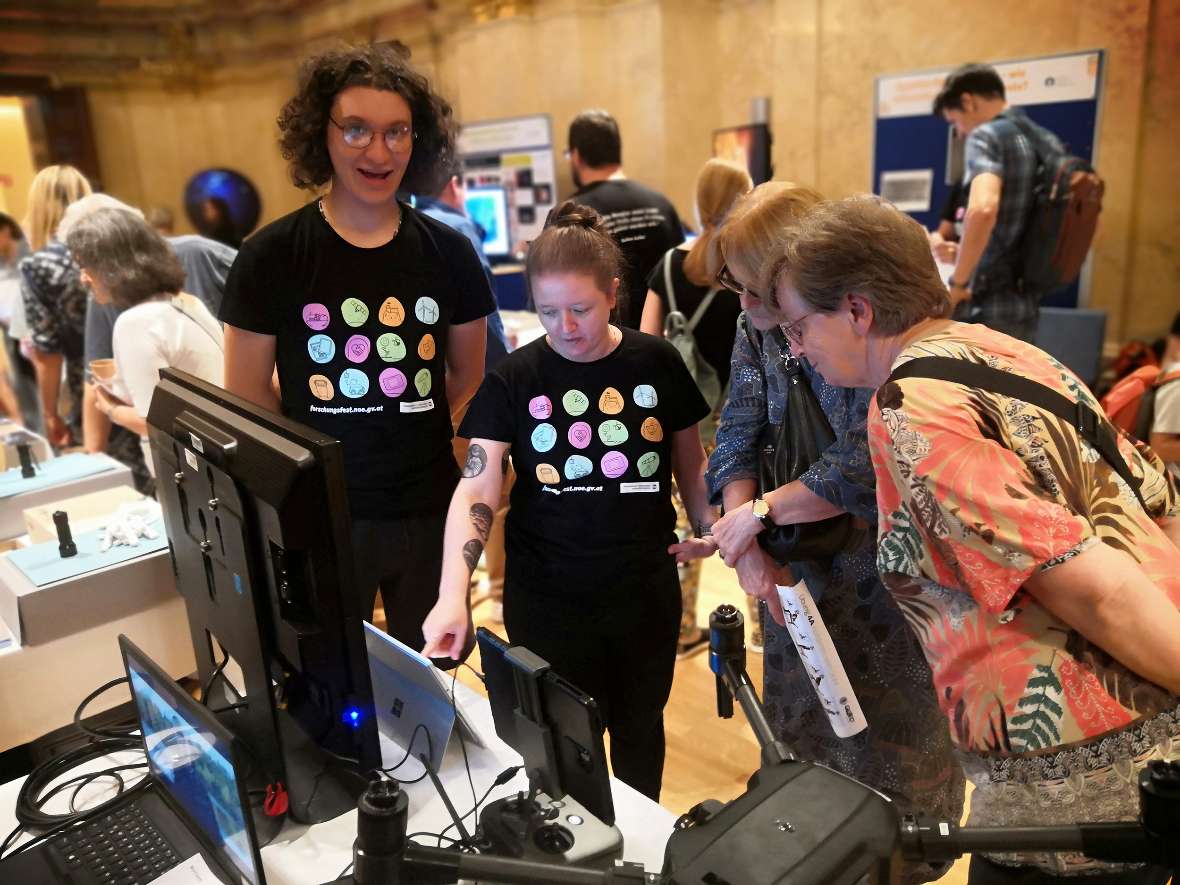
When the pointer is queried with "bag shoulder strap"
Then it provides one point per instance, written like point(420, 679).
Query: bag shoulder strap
point(702, 307)
point(1092, 427)
point(671, 291)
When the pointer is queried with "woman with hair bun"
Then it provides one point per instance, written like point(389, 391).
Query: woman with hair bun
point(597, 420)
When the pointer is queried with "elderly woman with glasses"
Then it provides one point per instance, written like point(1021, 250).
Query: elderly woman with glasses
point(905, 750)
point(1035, 561)
point(372, 313)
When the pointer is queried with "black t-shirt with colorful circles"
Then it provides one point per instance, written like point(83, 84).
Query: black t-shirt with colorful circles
point(361, 345)
point(592, 448)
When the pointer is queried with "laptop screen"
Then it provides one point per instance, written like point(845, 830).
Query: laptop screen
point(194, 765)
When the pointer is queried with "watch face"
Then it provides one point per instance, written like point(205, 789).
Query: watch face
point(761, 509)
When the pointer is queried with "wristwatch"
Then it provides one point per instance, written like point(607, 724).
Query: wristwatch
point(761, 509)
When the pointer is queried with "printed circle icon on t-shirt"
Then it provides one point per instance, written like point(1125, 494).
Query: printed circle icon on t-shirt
point(644, 396)
point(575, 402)
point(321, 387)
point(222, 205)
point(357, 348)
point(580, 435)
point(393, 382)
point(354, 311)
point(544, 436)
point(611, 402)
point(577, 466)
point(426, 310)
point(612, 433)
point(316, 316)
point(541, 407)
point(651, 430)
point(391, 348)
point(391, 313)
point(321, 348)
point(354, 383)
point(614, 464)
point(422, 382)
point(648, 463)
point(547, 474)
point(426, 347)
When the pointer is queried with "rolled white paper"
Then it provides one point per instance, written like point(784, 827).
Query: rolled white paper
point(821, 660)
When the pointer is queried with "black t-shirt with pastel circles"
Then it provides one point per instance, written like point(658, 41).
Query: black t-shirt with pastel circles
point(592, 447)
point(361, 340)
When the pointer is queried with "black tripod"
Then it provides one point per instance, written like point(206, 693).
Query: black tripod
point(796, 824)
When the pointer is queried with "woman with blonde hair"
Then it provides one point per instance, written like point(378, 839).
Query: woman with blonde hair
point(684, 301)
point(904, 751)
point(54, 300)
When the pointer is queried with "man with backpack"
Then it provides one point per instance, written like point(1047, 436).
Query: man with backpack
point(1008, 226)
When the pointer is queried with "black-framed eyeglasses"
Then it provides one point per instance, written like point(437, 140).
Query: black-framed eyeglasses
point(794, 331)
point(398, 137)
point(726, 280)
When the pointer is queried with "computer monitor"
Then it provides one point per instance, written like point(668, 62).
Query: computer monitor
point(193, 758)
point(487, 206)
point(258, 527)
point(748, 146)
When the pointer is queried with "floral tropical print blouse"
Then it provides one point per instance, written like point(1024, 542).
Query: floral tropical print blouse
point(976, 492)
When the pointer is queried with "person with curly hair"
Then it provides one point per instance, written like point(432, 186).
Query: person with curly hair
point(372, 313)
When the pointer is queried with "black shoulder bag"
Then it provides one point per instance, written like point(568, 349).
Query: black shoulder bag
point(785, 452)
point(1090, 425)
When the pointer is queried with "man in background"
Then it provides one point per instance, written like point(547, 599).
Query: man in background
point(446, 205)
point(1001, 167)
point(644, 223)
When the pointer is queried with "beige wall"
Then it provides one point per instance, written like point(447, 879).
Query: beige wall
point(673, 70)
point(16, 158)
point(151, 140)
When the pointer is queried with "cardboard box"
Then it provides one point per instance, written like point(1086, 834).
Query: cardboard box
point(86, 512)
point(12, 508)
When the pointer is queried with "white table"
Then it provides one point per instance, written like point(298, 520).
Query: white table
point(309, 855)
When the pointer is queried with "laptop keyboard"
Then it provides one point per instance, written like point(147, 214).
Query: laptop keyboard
point(122, 847)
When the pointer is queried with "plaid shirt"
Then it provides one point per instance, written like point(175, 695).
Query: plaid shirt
point(999, 147)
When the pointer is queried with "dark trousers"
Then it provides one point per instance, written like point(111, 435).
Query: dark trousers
point(24, 384)
point(984, 872)
point(403, 559)
point(622, 655)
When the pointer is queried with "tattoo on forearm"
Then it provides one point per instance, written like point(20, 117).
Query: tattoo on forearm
point(477, 460)
point(481, 518)
point(472, 551)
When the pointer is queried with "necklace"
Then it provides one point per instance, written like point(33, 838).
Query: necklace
point(324, 214)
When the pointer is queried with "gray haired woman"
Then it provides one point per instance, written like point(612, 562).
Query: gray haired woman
point(125, 262)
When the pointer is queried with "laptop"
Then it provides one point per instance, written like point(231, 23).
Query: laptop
point(195, 804)
point(412, 695)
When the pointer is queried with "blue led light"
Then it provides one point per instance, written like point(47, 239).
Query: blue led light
point(352, 716)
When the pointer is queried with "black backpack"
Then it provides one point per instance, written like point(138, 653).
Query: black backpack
point(1067, 197)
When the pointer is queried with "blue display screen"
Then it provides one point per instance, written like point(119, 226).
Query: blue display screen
point(195, 767)
point(488, 207)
